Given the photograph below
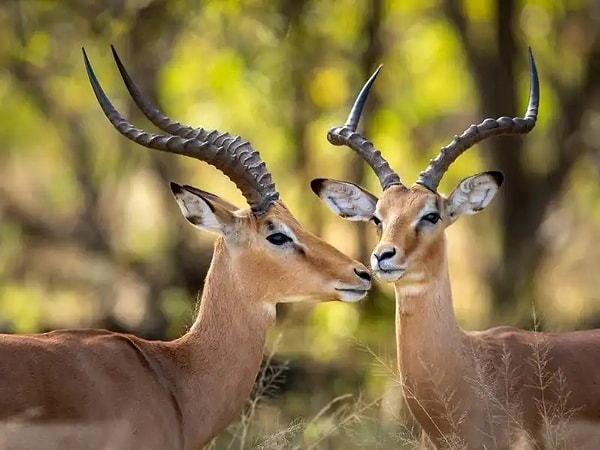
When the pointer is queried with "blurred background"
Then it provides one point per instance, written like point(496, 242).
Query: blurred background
point(90, 236)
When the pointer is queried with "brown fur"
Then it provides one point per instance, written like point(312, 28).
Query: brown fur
point(92, 389)
point(465, 388)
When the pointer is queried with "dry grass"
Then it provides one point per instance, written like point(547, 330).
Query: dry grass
point(551, 385)
point(356, 422)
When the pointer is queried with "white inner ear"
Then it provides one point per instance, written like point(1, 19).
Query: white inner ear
point(472, 195)
point(348, 201)
point(198, 212)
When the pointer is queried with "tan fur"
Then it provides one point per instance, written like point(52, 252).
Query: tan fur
point(469, 389)
point(94, 389)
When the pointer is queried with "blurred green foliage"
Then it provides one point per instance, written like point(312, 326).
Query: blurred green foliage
point(90, 237)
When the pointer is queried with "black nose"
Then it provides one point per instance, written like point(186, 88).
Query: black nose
point(362, 274)
point(386, 254)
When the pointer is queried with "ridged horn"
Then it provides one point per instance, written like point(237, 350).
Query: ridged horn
point(230, 154)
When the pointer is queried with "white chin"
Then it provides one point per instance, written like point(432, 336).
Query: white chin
point(350, 295)
point(389, 276)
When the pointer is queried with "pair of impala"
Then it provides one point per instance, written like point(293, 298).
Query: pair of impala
point(97, 389)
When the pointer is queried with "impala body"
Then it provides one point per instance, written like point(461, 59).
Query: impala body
point(475, 390)
point(94, 389)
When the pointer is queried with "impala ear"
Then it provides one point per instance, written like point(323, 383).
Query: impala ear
point(345, 199)
point(473, 194)
point(203, 209)
point(212, 198)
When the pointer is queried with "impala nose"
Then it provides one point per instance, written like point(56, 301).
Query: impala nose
point(386, 253)
point(383, 258)
point(362, 274)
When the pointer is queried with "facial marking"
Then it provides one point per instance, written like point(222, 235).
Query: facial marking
point(272, 228)
point(404, 213)
point(431, 206)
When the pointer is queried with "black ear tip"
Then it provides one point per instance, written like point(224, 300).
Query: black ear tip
point(497, 176)
point(175, 188)
point(317, 184)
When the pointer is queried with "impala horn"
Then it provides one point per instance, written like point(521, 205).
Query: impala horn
point(431, 176)
point(230, 154)
point(347, 135)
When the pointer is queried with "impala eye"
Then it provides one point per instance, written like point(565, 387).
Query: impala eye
point(431, 217)
point(278, 239)
point(377, 223)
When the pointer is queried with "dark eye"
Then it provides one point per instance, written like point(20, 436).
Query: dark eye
point(431, 217)
point(377, 223)
point(278, 239)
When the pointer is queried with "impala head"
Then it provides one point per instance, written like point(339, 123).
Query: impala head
point(265, 245)
point(411, 220)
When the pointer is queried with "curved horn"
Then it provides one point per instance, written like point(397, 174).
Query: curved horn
point(150, 111)
point(230, 154)
point(431, 176)
point(347, 135)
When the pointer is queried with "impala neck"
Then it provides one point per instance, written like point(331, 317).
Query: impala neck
point(223, 348)
point(427, 330)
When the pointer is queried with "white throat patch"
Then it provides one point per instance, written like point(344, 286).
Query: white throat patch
point(411, 290)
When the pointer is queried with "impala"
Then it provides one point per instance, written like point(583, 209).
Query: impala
point(94, 389)
point(466, 389)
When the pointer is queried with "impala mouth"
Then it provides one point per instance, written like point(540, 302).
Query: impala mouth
point(351, 295)
point(390, 275)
